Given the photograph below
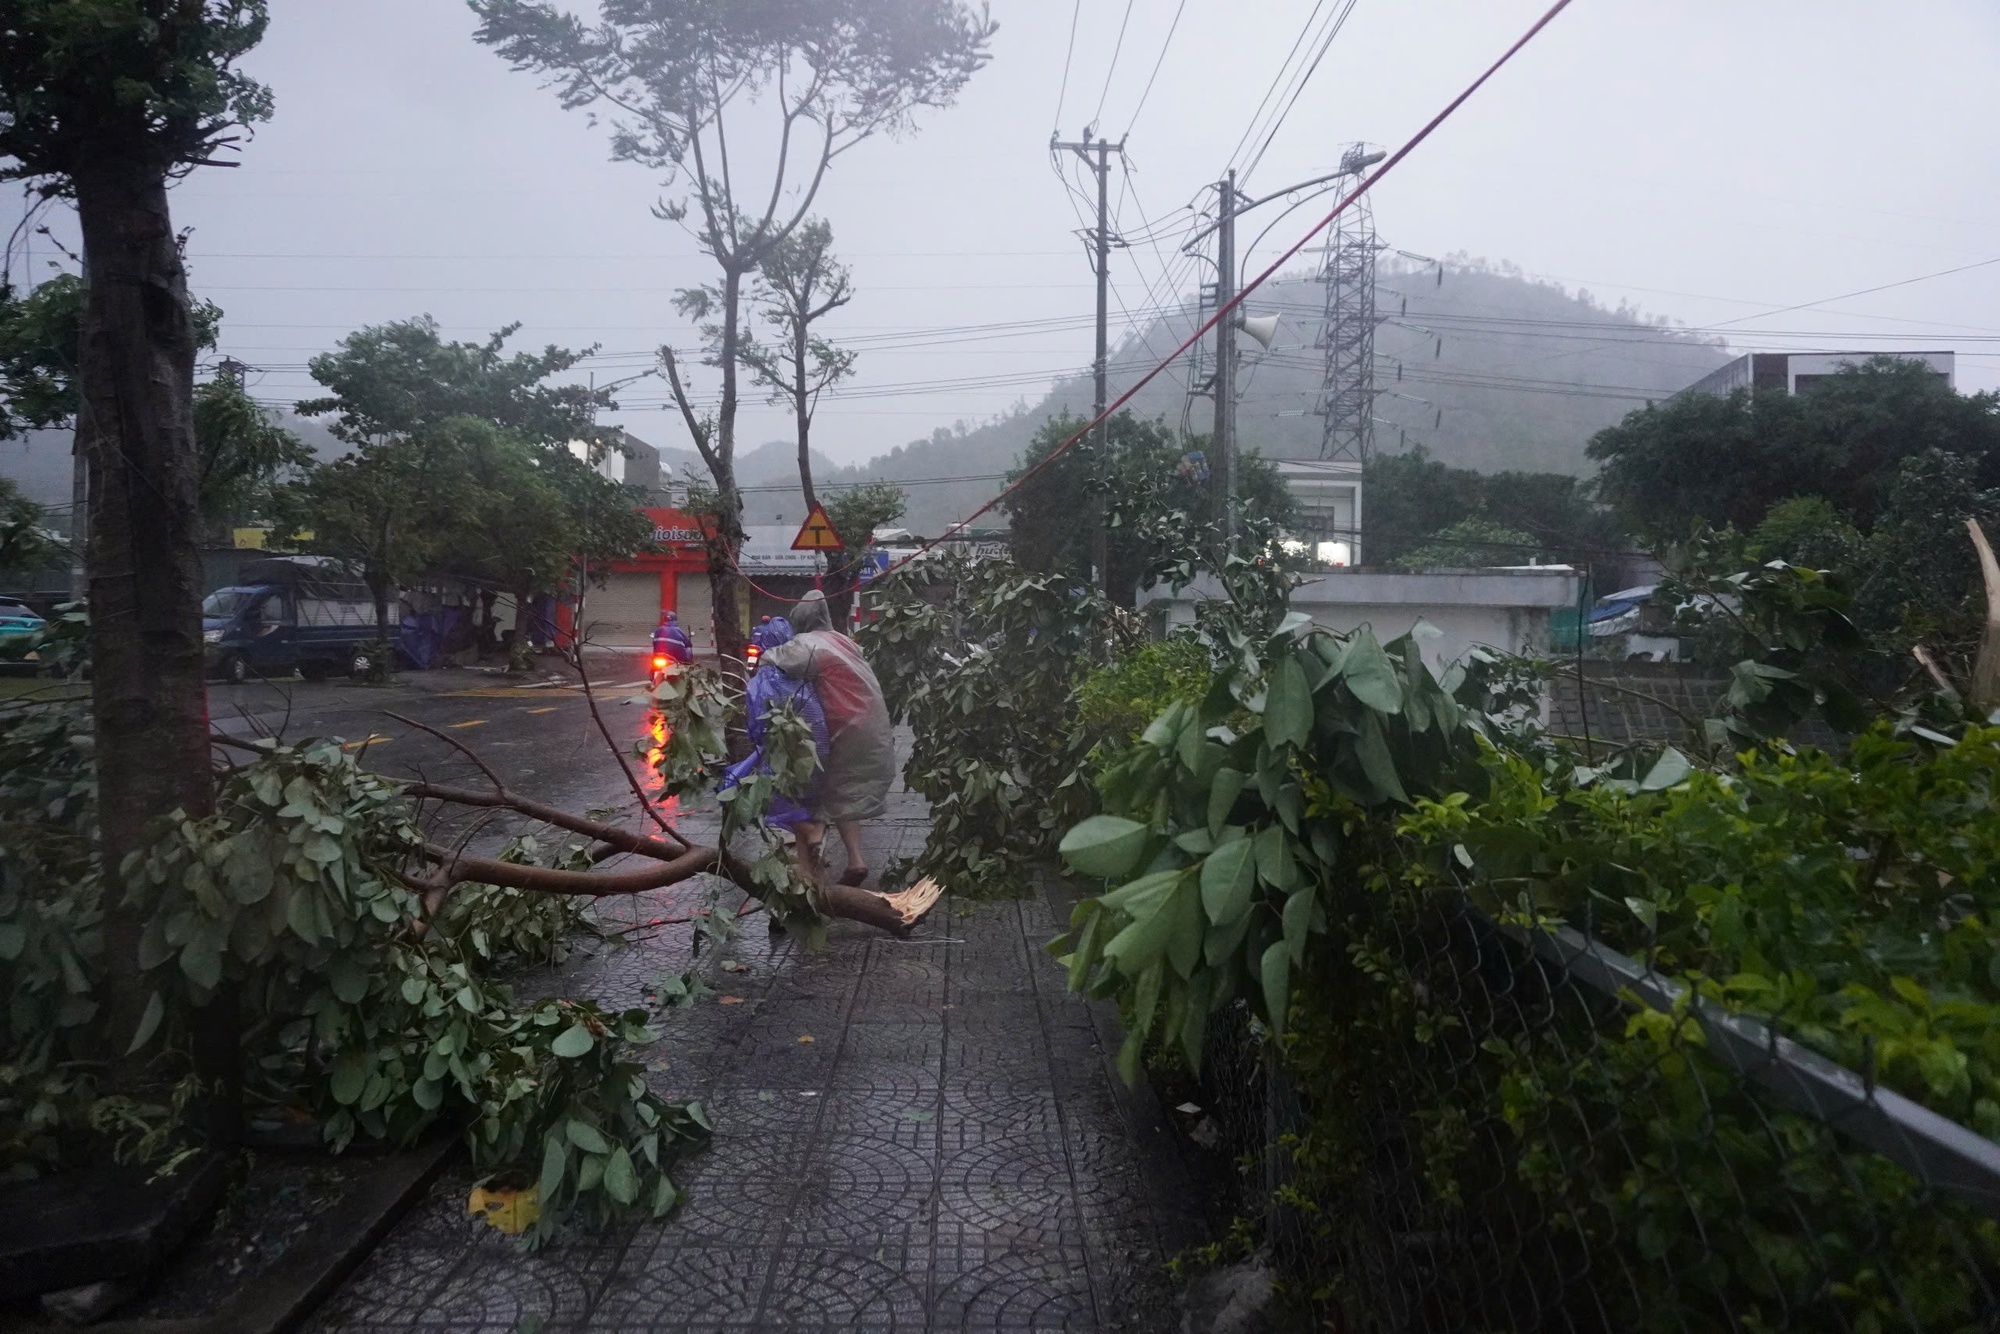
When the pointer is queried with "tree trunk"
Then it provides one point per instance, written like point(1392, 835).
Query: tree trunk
point(378, 588)
point(148, 699)
point(723, 549)
point(802, 411)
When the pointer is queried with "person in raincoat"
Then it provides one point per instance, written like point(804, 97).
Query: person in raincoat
point(671, 640)
point(861, 759)
point(770, 690)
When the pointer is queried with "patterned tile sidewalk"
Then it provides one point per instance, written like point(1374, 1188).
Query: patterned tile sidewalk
point(920, 1135)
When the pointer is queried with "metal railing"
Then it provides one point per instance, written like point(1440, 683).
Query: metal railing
point(1491, 1128)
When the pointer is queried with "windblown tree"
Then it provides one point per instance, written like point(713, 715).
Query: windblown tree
point(1699, 458)
point(1153, 503)
point(103, 103)
point(688, 86)
point(534, 521)
point(243, 453)
point(800, 284)
point(412, 403)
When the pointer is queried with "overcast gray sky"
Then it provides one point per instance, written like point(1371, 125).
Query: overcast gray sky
point(1709, 160)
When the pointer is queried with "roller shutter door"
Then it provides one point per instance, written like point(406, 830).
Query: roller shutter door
point(696, 608)
point(623, 613)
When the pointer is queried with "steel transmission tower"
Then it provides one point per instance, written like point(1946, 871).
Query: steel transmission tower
point(1347, 268)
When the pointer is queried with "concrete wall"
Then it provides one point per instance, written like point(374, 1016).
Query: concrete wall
point(1505, 609)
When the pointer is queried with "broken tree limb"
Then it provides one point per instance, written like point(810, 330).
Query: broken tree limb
point(621, 840)
point(1985, 692)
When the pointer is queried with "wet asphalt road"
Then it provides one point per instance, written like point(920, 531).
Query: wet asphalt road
point(535, 731)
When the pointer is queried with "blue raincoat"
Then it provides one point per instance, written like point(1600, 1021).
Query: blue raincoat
point(769, 690)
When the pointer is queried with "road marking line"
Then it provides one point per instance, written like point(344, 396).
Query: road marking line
point(372, 738)
point(475, 722)
point(547, 709)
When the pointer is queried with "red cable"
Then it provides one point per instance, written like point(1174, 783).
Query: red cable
point(1388, 164)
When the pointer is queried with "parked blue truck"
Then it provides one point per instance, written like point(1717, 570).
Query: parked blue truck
point(291, 612)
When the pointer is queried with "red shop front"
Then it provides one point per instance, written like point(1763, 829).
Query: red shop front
point(673, 577)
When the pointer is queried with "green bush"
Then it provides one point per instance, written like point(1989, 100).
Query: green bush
point(1329, 843)
point(1116, 701)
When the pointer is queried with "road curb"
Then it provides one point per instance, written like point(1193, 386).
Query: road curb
point(291, 1290)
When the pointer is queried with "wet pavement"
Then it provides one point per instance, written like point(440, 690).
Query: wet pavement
point(910, 1135)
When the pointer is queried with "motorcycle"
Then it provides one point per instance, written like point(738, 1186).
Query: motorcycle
point(662, 664)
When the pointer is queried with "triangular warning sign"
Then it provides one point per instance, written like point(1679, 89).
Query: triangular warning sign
point(816, 533)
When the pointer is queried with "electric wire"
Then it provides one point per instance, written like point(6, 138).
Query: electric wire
point(1277, 80)
point(1325, 45)
point(1224, 309)
point(1062, 93)
point(1116, 49)
point(1159, 61)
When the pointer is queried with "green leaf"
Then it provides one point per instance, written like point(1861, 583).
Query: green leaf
point(1670, 769)
point(1129, 1054)
point(1187, 931)
point(201, 960)
point(1275, 863)
point(621, 1183)
point(587, 1137)
point(299, 914)
point(149, 1023)
point(13, 938)
point(265, 784)
point(664, 1196)
point(1227, 877)
point(1368, 673)
point(1277, 978)
point(1371, 747)
point(1298, 922)
point(348, 979)
point(573, 1042)
point(555, 1160)
point(1222, 794)
point(1145, 999)
point(1288, 705)
point(427, 1094)
point(350, 1077)
point(1142, 894)
point(1106, 846)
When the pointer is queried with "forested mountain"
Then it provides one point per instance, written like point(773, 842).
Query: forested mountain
point(1485, 368)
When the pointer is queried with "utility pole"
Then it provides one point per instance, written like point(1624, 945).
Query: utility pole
point(1097, 156)
point(1225, 362)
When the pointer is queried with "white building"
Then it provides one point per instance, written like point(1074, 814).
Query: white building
point(1793, 371)
point(1329, 496)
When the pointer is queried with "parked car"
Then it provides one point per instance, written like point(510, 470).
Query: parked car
point(291, 613)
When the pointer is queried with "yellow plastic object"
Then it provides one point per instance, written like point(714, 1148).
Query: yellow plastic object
point(510, 1211)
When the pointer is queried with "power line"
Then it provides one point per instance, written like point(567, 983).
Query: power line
point(1062, 94)
point(1276, 80)
point(1161, 60)
point(1325, 45)
point(1225, 308)
point(1866, 291)
point(1116, 48)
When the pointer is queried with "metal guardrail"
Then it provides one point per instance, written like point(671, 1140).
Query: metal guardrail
point(1946, 1156)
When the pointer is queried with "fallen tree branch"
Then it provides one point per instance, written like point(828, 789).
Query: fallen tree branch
point(621, 840)
point(455, 744)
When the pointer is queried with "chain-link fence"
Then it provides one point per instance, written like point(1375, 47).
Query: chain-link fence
point(1481, 1128)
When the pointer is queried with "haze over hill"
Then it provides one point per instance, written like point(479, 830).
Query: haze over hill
point(1488, 369)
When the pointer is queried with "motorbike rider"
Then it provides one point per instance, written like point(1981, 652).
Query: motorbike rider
point(670, 639)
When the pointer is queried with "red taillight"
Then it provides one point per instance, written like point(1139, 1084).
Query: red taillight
point(659, 662)
point(753, 653)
